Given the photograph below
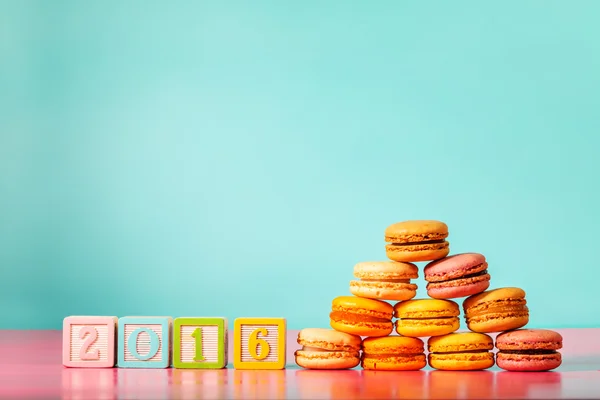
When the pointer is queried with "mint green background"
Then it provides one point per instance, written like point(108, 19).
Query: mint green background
point(238, 158)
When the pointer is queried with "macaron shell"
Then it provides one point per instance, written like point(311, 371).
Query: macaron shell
point(426, 308)
point(461, 361)
point(498, 322)
point(416, 253)
point(416, 231)
point(529, 339)
point(408, 362)
point(458, 288)
point(427, 327)
point(454, 266)
point(329, 339)
point(385, 270)
point(383, 290)
point(460, 342)
point(326, 359)
point(528, 362)
point(393, 345)
point(363, 306)
point(373, 329)
point(493, 295)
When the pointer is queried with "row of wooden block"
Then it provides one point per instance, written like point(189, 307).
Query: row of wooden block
point(162, 342)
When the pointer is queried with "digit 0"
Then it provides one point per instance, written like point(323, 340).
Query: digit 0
point(92, 335)
point(255, 341)
point(132, 344)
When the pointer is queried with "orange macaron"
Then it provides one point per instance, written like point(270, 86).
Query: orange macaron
point(393, 353)
point(360, 316)
point(418, 240)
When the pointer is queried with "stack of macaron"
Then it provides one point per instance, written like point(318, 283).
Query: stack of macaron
point(364, 321)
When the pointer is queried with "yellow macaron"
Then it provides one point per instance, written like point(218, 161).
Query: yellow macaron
point(385, 280)
point(465, 351)
point(426, 317)
point(393, 353)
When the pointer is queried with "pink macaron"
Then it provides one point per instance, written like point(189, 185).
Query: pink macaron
point(529, 350)
point(459, 275)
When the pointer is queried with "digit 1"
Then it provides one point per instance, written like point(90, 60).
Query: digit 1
point(92, 335)
point(197, 334)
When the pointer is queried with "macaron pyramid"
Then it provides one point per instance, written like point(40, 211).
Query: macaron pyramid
point(384, 290)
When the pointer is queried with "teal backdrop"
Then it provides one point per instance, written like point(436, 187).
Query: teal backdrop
point(222, 158)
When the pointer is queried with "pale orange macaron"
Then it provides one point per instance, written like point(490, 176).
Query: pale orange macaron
point(418, 240)
point(327, 349)
point(385, 280)
point(393, 353)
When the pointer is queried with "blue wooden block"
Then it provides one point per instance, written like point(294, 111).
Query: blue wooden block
point(145, 342)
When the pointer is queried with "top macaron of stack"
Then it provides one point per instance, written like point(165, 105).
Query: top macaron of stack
point(368, 312)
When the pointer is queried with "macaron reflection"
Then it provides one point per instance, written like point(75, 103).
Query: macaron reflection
point(394, 385)
point(461, 384)
point(258, 384)
point(331, 384)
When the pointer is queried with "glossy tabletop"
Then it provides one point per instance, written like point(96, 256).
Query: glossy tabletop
point(30, 367)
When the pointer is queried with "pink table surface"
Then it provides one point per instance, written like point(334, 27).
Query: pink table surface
point(30, 367)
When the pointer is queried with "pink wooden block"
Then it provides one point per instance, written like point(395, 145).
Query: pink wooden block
point(89, 342)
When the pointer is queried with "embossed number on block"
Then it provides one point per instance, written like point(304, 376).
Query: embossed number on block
point(259, 343)
point(89, 341)
point(145, 342)
point(200, 342)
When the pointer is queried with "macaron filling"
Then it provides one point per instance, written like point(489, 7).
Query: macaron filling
point(357, 318)
point(537, 352)
point(362, 313)
point(462, 281)
point(480, 270)
point(498, 306)
point(416, 238)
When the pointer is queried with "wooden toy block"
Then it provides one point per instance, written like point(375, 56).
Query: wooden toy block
point(259, 343)
point(145, 342)
point(89, 342)
point(200, 342)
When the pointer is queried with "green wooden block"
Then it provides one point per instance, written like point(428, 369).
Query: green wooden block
point(200, 343)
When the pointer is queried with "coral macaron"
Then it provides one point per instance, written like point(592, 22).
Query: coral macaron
point(426, 317)
point(418, 240)
point(360, 316)
point(327, 349)
point(459, 275)
point(496, 310)
point(385, 280)
point(393, 353)
point(529, 350)
point(465, 351)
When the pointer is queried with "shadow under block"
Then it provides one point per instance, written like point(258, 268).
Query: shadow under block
point(145, 342)
point(200, 342)
point(259, 343)
point(89, 342)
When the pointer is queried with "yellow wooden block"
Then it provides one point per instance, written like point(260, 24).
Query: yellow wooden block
point(259, 343)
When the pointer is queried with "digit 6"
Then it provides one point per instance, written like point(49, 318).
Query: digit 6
point(255, 341)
